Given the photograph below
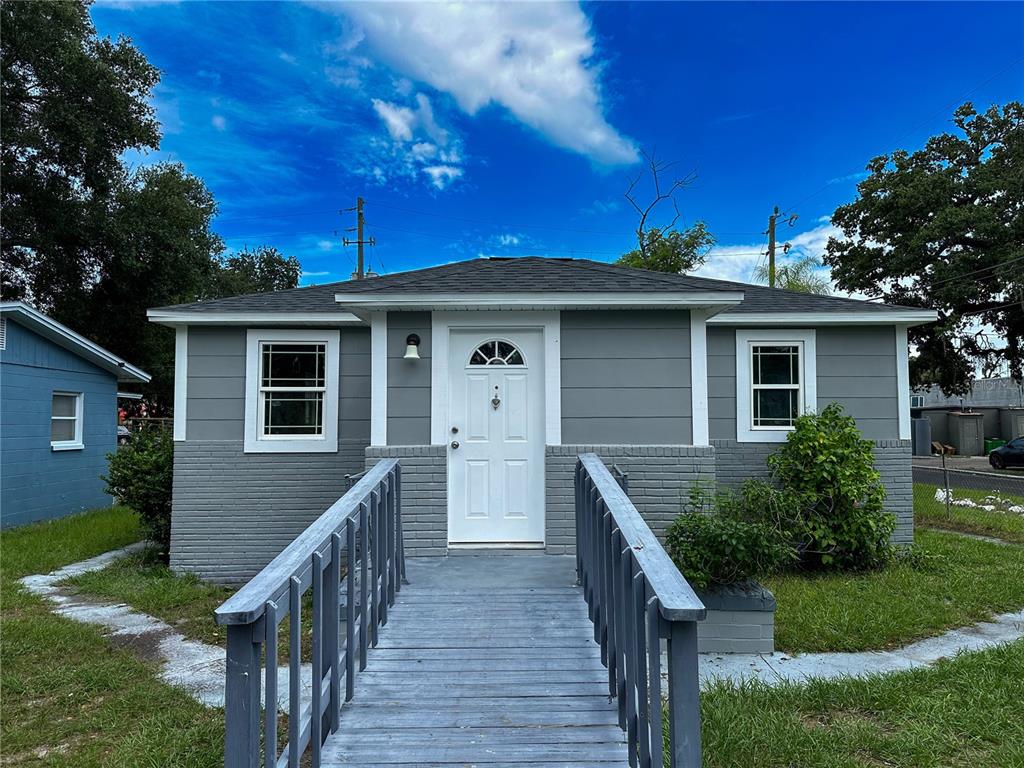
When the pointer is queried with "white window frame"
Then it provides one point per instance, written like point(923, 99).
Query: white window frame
point(917, 401)
point(75, 444)
point(255, 440)
point(746, 339)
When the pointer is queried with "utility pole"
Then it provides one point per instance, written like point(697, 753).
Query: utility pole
point(359, 242)
point(771, 243)
point(771, 247)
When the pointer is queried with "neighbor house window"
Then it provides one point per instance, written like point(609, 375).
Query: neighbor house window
point(917, 401)
point(775, 382)
point(291, 396)
point(66, 421)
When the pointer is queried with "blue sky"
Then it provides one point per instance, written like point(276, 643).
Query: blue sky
point(514, 129)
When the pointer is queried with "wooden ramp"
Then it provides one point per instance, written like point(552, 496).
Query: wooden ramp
point(486, 660)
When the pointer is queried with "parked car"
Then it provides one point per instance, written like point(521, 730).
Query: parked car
point(1009, 455)
point(124, 435)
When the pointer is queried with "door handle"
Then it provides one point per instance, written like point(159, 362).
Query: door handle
point(455, 444)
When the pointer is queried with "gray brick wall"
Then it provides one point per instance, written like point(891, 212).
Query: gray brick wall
point(233, 512)
point(660, 477)
point(892, 459)
point(424, 495)
point(736, 462)
point(736, 632)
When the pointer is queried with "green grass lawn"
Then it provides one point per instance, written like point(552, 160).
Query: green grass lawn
point(932, 513)
point(971, 581)
point(963, 712)
point(69, 696)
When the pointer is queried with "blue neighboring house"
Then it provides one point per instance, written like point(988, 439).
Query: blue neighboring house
point(58, 416)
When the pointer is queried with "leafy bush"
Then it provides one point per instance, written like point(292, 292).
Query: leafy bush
point(139, 476)
point(828, 470)
point(715, 549)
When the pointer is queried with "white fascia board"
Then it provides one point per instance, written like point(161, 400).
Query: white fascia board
point(322, 319)
point(558, 300)
point(63, 336)
point(797, 319)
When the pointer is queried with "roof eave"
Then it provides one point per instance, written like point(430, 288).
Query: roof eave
point(176, 317)
point(907, 317)
point(712, 300)
point(74, 342)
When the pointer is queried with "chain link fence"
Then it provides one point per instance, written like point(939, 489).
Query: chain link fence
point(989, 503)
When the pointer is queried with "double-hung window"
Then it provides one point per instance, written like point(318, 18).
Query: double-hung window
point(66, 421)
point(291, 397)
point(775, 382)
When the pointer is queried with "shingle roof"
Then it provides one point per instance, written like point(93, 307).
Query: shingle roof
point(529, 275)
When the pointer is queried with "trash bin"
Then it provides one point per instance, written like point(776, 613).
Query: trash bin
point(991, 443)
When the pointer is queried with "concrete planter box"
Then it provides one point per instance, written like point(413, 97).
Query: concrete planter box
point(741, 619)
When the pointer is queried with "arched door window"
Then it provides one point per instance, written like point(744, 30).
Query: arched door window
point(496, 352)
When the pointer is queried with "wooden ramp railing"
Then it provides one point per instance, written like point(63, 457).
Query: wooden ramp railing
point(636, 598)
point(362, 533)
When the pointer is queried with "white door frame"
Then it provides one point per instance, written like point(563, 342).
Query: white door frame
point(442, 324)
point(549, 323)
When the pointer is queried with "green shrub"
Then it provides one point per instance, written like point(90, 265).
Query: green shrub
point(828, 470)
point(715, 549)
point(139, 476)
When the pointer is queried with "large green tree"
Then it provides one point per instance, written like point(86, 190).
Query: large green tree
point(943, 227)
point(84, 238)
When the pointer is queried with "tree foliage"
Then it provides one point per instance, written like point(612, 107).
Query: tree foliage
point(943, 227)
point(664, 249)
point(262, 269)
point(802, 275)
point(83, 237)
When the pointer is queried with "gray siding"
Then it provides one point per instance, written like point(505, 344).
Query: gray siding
point(856, 367)
point(36, 482)
point(660, 477)
point(216, 385)
point(233, 511)
point(408, 380)
point(626, 377)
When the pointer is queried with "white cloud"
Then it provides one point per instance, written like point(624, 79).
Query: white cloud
point(219, 122)
point(286, 57)
point(325, 245)
point(399, 120)
point(417, 145)
point(533, 59)
point(441, 176)
point(508, 239)
point(315, 274)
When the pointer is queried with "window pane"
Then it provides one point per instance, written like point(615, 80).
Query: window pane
point(496, 353)
point(62, 430)
point(775, 407)
point(293, 413)
point(64, 405)
point(775, 365)
point(294, 365)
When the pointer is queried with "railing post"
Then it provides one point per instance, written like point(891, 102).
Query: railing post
point(401, 534)
point(242, 698)
point(683, 694)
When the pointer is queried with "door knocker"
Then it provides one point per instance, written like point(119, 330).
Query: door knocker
point(495, 401)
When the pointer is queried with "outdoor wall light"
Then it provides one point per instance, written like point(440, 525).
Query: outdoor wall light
point(412, 347)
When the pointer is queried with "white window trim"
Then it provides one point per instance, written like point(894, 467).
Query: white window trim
point(745, 432)
point(77, 443)
point(254, 441)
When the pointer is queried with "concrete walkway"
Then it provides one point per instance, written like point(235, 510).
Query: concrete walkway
point(777, 668)
point(198, 668)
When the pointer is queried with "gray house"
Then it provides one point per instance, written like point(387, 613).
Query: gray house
point(487, 378)
point(58, 416)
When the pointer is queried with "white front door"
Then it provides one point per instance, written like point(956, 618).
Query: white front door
point(496, 436)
